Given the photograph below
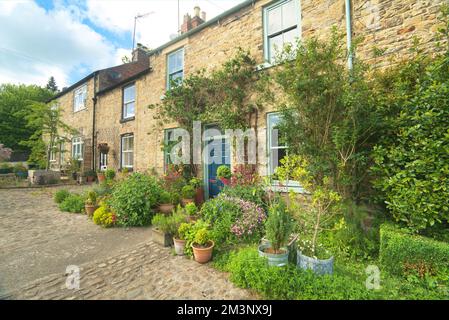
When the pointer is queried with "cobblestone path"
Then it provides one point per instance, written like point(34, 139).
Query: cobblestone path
point(37, 243)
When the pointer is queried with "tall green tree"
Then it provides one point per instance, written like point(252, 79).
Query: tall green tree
point(51, 85)
point(45, 119)
point(15, 104)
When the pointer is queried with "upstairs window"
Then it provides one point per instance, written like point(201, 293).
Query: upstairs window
point(175, 68)
point(129, 101)
point(79, 98)
point(281, 26)
point(77, 148)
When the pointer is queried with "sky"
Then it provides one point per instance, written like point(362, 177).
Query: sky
point(68, 39)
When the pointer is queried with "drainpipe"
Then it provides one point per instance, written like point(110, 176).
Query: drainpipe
point(94, 157)
point(349, 33)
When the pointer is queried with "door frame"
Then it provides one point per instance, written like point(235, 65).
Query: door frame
point(206, 155)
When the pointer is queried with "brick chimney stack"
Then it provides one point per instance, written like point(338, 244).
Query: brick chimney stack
point(193, 22)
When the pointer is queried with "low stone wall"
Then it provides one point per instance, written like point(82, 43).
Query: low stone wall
point(43, 177)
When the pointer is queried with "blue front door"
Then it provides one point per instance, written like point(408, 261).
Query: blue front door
point(218, 154)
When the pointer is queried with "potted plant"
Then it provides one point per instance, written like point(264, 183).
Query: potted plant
point(202, 245)
point(191, 211)
point(174, 222)
point(180, 240)
point(21, 171)
point(109, 174)
point(197, 184)
point(278, 228)
point(224, 174)
point(167, 201)
point(90, 175)
point(90, 205)
point(74, 168)
point(188, 194)
point(101, 176)
point(325, 204)
point(161, 230)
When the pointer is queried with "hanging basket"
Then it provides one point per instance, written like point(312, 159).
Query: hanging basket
point(103, 147)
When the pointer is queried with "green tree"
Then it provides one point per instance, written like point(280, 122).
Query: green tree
point(329, 114)
point(48, 131)
point(51, 85)
point(15, 101)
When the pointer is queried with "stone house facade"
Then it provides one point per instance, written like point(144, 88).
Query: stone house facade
point(134, 139)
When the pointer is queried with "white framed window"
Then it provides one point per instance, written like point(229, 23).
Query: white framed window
point(175, 67)
point(277, 147)
point(282, 24)
point(52, 154)
point(127, 154)
point(77, 148)
point(79, 98)
point(61, 152)
point(129, 101)
point(168, 137)
point(277, 150)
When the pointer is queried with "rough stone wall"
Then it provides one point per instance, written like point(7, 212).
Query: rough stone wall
point(384, 24)
point(81, 121)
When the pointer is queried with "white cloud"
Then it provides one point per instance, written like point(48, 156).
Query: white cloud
point(37, 44)
point(155, 29)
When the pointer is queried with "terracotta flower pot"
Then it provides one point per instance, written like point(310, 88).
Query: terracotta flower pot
point(203, 255)
point(90, 209)
point(179, 246)
point(90, 179)
point(166, 208)
point(199, 196)
point(187, 201)
point(101, 177)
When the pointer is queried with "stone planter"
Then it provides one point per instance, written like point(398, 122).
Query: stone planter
point(184, 202)
point(166, 208)
point(316, 265)
point(160, 237)
point(179, 246)
point(90, 209)
point(275, 260)
point(203, 255)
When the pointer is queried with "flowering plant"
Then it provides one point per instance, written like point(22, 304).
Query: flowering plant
point(250, 222)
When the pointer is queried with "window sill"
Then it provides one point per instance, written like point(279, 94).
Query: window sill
point(76, 111)
point(127, 119)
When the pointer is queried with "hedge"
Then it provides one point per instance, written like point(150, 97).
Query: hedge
point(402, 253)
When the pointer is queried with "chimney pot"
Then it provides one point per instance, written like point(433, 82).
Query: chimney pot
point(197, 10)
point(203, 15)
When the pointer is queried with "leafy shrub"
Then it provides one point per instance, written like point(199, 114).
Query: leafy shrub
point(254, 193)
point(223, 171)
point(109, 174)
point(5, 168)
point(19, 168)
point(103, 190)
point(403, 253)
point(91, 198)
point(168, 197)
point(170, 223)
point(104, 217)
point(61, 195)
point(191, 209)
point(196, 182)
point(73, 203)
point(133, 198)
point(248, 270)
point(188, 232)
point(202, 237)
point(279, 226)
point(188, 192)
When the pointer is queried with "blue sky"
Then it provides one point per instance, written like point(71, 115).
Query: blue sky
point(68, 39)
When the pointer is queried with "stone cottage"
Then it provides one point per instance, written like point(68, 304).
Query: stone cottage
point(110, 107)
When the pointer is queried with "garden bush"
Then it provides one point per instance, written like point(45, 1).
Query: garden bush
point(248, 270)
point(61, 195)
point(188, 232)
point(133, 198)
point(233, 220)
point(73, 203)
point(253, 193)
point(403, 253)
point(104, 217)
